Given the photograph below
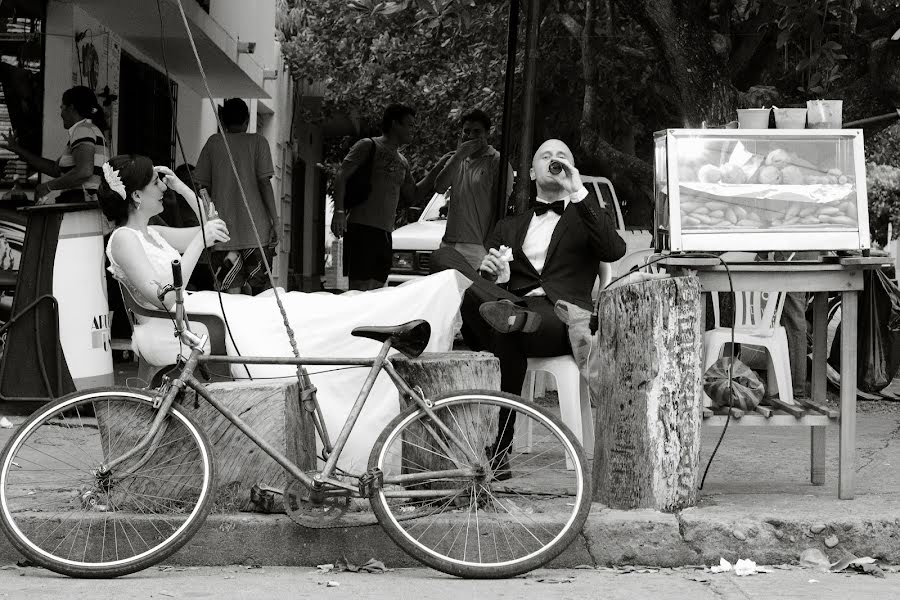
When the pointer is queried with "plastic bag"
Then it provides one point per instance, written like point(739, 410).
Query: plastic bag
point(747, 387)
point(878, 334)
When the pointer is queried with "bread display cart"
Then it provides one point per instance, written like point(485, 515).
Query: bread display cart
point(763, 190)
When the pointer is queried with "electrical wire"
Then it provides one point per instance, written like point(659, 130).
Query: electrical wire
point(302, 375)
point(662, 258)
point(201, 212)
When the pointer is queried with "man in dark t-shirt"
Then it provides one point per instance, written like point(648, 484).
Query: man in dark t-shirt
point(367, 227)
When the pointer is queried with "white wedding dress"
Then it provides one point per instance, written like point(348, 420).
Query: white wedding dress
point(322, 323)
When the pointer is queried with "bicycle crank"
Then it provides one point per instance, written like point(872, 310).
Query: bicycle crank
point(328, 511)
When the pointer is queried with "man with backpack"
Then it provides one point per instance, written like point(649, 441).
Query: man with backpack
point(372, 179)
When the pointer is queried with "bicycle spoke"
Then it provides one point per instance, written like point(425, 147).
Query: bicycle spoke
point(485, 525)
point(73, 513)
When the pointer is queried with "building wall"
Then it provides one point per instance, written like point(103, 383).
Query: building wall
point(248, 21)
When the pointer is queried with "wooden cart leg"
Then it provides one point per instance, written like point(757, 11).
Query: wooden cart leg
point(849, 316)
point(818, 387)
point(817, 455)
point(707, 401)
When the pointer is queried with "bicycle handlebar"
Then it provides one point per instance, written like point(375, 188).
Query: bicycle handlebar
point(176, 273)
point(181, 326)
point(177, 284)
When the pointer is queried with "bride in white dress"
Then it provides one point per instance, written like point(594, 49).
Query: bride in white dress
point(140, 258)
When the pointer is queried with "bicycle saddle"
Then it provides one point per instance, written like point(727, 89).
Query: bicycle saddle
point(409, 338)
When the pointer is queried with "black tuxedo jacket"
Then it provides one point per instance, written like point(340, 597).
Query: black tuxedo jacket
point(584, 237)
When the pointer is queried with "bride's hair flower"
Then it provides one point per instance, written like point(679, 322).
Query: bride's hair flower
point(113, 180)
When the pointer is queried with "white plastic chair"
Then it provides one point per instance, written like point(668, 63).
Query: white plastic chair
point(574, 395)
point(757, 318)
point(574, 399)
point(638, 259)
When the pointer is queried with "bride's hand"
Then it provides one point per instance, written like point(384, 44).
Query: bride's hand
point(216, 231)
point(171, 180)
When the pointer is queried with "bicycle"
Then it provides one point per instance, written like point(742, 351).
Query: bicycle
point(110, 481)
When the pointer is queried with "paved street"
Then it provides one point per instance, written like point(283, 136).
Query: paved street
point(422, 584)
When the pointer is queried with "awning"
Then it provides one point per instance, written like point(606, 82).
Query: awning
point(137, 21)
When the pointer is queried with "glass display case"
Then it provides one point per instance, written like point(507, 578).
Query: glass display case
point(760, 189)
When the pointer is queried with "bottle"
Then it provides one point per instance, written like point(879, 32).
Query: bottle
point(555, 167)
point(209, 209)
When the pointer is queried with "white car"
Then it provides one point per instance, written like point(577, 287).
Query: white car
point(414, 243)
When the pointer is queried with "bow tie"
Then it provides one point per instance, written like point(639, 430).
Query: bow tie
point(558, 207)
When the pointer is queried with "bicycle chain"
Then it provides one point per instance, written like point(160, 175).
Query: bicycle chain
point(313, 516)
point(309, 515)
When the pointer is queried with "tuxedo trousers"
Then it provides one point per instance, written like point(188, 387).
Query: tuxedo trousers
point(512, 349)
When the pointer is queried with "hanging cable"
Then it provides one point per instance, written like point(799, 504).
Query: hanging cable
point(302, 374)
point(184, 160)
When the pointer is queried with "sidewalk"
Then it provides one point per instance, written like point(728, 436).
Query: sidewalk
point(757, 503)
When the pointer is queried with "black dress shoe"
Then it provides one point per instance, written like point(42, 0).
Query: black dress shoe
point(506, 317)
point(499, 463)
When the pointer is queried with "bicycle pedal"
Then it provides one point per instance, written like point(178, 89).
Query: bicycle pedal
point(263, 498)
point(370, 481)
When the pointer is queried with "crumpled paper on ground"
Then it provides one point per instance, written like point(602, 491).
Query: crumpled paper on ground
point(741, 568)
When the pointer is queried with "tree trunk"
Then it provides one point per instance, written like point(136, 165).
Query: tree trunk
point(529, 92)
point(647, 448)
point(272, 409)
point(438, 373)
point(681, 32)
point(614, 163)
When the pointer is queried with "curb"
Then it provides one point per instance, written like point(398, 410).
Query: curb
point(775, 534)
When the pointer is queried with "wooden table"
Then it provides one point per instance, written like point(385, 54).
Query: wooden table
point(819, 278)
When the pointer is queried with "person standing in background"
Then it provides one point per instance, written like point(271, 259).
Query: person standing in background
point(76, 173)
point(369, 223)
point(239, 262)
point(472, 174)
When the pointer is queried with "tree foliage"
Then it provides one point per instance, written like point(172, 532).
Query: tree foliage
point(438, 58)
point(611, 72)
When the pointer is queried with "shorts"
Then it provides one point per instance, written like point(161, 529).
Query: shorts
point(234, 268)
point(367, 252)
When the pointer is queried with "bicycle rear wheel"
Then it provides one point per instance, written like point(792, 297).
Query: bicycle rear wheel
point(509, 514)
point(63, 513)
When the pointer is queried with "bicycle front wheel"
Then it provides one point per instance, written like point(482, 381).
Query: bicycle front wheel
point(508, 510)
point(62, 511)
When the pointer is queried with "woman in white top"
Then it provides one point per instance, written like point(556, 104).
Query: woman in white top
point(140, 258)
point(76, 172)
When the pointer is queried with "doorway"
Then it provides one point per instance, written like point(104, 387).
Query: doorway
point(146, 117)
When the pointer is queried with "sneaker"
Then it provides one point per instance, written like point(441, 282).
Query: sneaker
point(506, 317)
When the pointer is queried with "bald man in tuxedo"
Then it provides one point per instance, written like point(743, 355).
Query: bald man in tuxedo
point(556, 249)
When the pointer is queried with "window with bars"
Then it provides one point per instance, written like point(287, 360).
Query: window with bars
point(22, 24)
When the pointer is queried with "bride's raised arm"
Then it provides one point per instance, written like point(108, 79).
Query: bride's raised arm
point(180, 237)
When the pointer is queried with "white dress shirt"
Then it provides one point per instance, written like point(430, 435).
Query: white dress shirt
point(537, 238)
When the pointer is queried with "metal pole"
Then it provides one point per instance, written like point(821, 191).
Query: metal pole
point(511, 44)
point(529, 92)
point(872, 120)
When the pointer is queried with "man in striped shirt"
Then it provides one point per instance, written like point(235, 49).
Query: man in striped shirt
point(76, 173)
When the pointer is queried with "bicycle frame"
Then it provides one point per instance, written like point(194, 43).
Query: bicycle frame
point(167, 395)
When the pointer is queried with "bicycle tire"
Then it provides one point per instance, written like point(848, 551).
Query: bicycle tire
point(147, 503)
point(397, 517)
